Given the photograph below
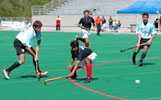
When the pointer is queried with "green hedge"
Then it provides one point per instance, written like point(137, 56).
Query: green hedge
point(18, 8)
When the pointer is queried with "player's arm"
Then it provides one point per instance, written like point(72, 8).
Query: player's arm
point(139, 40)
point(71, 62)
point(30, 51)
point(80, 24)
point(38, 37)
point(154, 34)
point(37, 49)
point(139, 32)
point(28, 45)
point(75, 68)
point(82, 27)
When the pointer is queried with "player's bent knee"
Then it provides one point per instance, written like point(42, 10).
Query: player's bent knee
point(87, 40)
point(88, 60)
point(145, 49)
point(137, 50)
point(22, 61)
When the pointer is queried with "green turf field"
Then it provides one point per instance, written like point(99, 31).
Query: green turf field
point(113, 72)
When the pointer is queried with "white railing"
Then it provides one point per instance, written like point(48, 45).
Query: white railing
point(54, 8)
point(45, 9)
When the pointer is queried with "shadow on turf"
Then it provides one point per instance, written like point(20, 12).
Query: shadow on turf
point(146, 64)
point(31, 76)
point(82, 79)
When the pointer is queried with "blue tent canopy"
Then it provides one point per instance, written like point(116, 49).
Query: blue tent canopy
point(140, 7)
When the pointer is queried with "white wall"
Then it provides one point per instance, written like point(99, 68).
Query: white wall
point(68, 21)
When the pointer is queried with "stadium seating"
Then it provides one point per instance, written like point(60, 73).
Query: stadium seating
point(72, 10)
point(102, 7)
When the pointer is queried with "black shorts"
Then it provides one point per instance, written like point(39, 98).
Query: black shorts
point(20, 49)
point(144, 41)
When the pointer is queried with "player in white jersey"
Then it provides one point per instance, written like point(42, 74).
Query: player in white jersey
point(146, 33)
point(22, 44)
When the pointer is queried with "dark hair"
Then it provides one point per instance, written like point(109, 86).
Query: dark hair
point(37, 24)
point(74, 44)
point(86, 11)
point(145, 14)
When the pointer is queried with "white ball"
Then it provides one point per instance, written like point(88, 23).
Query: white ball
point(137, 81)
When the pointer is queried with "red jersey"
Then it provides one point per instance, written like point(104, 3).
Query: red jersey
point(58, 21)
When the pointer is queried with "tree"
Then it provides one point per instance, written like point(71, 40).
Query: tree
point(18, 8)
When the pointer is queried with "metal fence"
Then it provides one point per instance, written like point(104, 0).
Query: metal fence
point(43, 10)
point(14, 23)
point(17, 19)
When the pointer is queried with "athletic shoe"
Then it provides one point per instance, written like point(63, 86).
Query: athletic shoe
point(5, 74)
point(140, 64)
point(40, 74)
point(88, 80)
point(43, 73)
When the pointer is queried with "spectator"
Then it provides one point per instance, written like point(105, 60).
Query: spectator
point(103, 23)
point(58, 20)
point(114, 25)
point(118, 24)
point(110, 23)
point(156, 23)
point(159, 24)
point(98, 24)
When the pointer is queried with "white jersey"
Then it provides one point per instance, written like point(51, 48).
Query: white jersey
point(26, 37)
point(146, 31)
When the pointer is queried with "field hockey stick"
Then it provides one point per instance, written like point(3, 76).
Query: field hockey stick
point(37, 71)
point(52, 79)
point(132, 47)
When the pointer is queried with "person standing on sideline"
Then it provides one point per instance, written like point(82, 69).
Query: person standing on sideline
point(58, 20)
point(119, 24)
point(103, 28)
point(110, 23)
point(98, 24)
point(156, 23)
point(114, 25)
